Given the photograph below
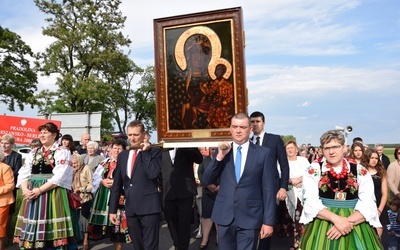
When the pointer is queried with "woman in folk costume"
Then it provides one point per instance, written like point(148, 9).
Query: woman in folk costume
point(297, 166)
point(100, 225)
point(339, 208)
point(44, 218)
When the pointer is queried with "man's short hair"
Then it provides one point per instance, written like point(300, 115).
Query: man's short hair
point(136, 123)
point(258, 114)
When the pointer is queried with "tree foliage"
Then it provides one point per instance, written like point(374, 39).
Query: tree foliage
point(143, 104)
point(17, 79)
point(89, 58)
point(286, 138)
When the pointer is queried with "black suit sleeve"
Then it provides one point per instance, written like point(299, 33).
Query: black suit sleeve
point(283, 163)
point(117, 186)
point(214, 169)
point(17, 166)
point(385, 161)
point(151, 160)
point(193, 154)
point(200, 172)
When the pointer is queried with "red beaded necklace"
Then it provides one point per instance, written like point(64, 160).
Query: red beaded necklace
point(340, 175)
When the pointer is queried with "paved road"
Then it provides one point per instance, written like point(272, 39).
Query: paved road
point(166, 242)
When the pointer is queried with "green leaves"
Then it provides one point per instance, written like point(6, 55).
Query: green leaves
point(17, 79)
point(94, 73)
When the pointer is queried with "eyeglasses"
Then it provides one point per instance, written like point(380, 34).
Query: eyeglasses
point(332, 147)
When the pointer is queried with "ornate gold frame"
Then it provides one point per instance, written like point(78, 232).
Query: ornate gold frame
point(186, 112)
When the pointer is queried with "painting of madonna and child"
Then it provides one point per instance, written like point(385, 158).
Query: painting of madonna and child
point(200, 72)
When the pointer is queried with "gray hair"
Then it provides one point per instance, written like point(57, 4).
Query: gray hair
point(93, 144)
point(9, 138)
point(79, 158)
point(332, 135)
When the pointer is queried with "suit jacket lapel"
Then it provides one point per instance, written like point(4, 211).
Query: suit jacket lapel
point(231, 165)
point(264, 142)
point(249, 160)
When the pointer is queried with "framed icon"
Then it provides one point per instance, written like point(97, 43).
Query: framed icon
point(200, 75)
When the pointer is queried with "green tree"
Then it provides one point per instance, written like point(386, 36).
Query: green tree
point(286, 138)
point(138, 103)
point(143, 104)
point(17, 80)
point(94, 72)
point(121, 97)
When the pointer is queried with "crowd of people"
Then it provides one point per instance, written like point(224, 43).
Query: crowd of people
point(332, 196)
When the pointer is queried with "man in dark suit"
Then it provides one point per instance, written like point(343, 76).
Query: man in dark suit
point(278, 153)
point(245, 206)
point(136, 174)
point(179, 188)
point(384, 159)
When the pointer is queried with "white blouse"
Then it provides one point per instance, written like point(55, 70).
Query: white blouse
point(62, 171)
point(297, 169)
point(312, 203)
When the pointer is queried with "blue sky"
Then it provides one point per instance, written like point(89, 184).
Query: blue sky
point(310, 64)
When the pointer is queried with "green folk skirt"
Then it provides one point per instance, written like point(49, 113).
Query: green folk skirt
point(362, 237)
point(45, 222)
point(100, 225)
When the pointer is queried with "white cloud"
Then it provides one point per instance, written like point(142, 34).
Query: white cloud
point(286, 27)
point(302, 39)
point(304, 104)
point(393, 47)
point(297, 80)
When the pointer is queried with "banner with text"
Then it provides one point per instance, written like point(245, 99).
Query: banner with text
point(24, 129)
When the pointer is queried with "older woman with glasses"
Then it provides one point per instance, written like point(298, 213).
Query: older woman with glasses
point(393, 175)
point(339, 208)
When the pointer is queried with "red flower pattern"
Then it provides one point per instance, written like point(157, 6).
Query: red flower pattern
point(363, 171)
point(352, 185)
